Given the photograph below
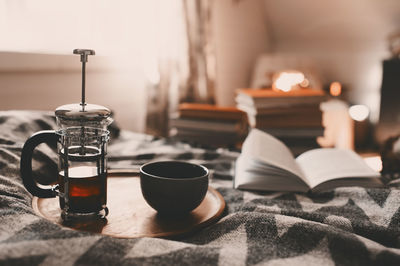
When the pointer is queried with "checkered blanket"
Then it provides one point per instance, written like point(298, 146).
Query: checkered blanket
point(345, 226)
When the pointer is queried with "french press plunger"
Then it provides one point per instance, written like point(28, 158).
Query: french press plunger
point(82, 139)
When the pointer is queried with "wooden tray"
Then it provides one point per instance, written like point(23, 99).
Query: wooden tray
point(131, 217)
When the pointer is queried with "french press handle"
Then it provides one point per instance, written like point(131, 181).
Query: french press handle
point(45, 136)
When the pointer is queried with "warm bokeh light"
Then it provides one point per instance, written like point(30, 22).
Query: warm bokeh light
point(286, 80)
point(359, 112)
point(374, 162)
point(305, 83)
point(335, 89)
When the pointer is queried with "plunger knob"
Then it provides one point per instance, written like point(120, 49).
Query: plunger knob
point(84, 53)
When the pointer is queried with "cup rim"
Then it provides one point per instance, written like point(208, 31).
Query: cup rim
point(174, 178)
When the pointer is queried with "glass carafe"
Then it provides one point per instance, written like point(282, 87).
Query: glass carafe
point(82, 138)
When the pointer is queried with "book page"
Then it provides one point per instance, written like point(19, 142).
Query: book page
point(268, 178)
point(267, 149)
point(321, 165)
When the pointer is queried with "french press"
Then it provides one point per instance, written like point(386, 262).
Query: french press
point(82, 138)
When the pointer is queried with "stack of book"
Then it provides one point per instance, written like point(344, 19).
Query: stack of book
point(209, 125)
point(294, 117)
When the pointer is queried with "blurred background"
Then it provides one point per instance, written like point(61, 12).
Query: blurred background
point(152, 55)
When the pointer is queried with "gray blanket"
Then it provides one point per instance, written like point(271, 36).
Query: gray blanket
point(345, 226)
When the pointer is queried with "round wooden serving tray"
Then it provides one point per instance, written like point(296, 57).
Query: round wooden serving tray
point(131, 217)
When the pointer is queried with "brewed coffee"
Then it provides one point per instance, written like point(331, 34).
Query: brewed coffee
point(87, 190)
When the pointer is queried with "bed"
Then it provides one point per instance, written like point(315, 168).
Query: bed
point(345, 226)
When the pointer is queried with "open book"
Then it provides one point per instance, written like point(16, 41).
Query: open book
point(267, 164)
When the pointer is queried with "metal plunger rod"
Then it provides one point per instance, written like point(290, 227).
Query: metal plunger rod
point(84, 58)
point(83, 102)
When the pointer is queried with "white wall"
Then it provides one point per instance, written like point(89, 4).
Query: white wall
point(241, 34)
point(126, 34)
point(44, 82)
point(347, 39)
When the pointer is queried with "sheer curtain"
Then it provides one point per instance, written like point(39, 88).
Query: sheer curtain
point(166, 67)
point(185, 67)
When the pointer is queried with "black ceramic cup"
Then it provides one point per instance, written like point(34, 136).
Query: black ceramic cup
point(173, 186)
